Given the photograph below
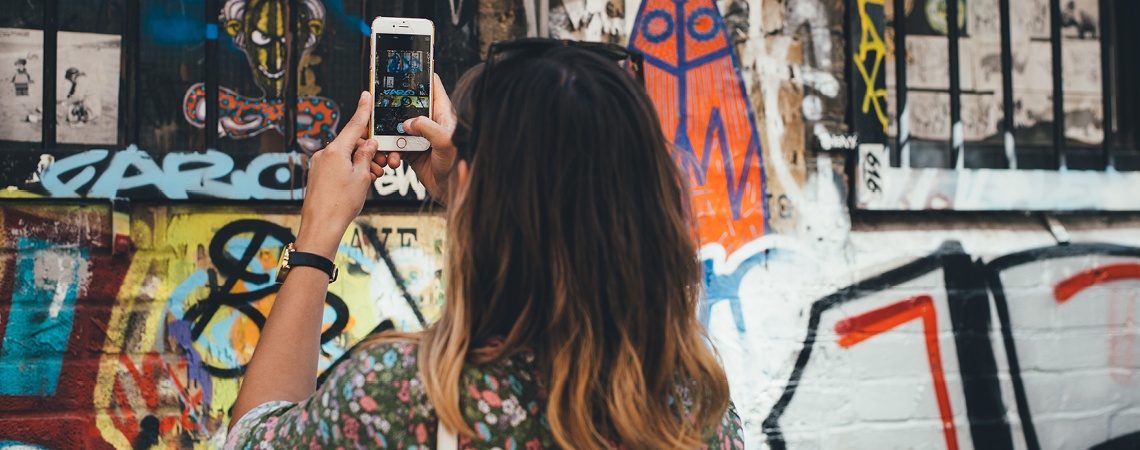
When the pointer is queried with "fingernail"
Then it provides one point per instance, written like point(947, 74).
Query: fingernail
point(363, 95)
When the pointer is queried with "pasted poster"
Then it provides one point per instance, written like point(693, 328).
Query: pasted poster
point(87, 88)
point(21, 93)
point(1080, 19)
point(1081, 71)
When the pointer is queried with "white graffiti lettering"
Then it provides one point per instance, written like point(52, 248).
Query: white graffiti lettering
point(836, 141)
point(209, 174)
point(400, 180)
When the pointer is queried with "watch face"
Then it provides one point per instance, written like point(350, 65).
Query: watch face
point(283, 265)
point(282, 272)
point(304, 259)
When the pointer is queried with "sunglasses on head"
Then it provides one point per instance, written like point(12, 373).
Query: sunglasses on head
point(500, 51)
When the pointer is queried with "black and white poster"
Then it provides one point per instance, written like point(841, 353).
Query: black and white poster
point(87, 88)
point(1080, 19)
point(21, 93)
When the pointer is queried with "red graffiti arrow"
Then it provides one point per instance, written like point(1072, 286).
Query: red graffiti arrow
point(1073, 285)
point(862, 327)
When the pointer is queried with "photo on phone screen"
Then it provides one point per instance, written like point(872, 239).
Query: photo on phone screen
point(403, 80)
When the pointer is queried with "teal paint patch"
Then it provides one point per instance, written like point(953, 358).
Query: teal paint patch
point(39, 323)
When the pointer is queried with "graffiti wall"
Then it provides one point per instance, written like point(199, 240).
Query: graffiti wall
point(57, 282)
point(167, 100)
point(938, 337)
point(131, 296)
point(146, 347)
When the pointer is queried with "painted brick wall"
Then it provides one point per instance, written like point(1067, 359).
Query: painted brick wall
point(144, 347)
point(125, 324)
point(960, 333)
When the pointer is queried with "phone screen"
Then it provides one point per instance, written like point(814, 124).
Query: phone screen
point(403, 80)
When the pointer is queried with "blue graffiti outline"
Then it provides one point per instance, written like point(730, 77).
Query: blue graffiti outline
point(691, 24)
point(658, 37)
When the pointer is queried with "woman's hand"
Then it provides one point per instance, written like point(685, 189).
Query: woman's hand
point(432, 166)
point(339, 178)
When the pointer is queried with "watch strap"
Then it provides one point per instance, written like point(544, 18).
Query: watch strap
point(315, 261)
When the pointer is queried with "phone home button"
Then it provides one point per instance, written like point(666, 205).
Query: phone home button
point(401, 143)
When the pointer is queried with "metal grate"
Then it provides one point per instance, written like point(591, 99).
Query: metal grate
point(1006, 139)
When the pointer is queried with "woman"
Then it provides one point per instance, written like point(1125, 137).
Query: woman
point(572, 289)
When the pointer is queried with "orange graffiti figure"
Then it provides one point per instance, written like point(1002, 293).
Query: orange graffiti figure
point(242, 117)
point(694, 79)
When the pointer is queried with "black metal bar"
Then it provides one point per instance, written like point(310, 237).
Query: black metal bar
point(294, 48)
point(851, 29)
point(867, 106)
point(952, 33)
point(850, 164)
point(366, 48)
point(1058, 87)
point(129, 122)
point(1108, 78)
point(1007, 85)
point(51, 42)
point(211, 66)
point(902, 112)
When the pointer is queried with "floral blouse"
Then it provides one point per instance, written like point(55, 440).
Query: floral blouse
point(376, 399)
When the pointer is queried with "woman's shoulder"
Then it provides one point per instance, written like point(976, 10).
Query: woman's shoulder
point(381, 379)
point(496, 398)
point(399, 359)
point(388, 356)
point(379, 369)
point(384, 345)
point(386, 364)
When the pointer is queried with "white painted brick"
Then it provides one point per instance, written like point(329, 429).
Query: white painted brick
point(1067, 432)
point(894, 435)
point(1071, 391)
point(1023, 276)
point(1061, 350)
point(895, 400)
point(1124, 422)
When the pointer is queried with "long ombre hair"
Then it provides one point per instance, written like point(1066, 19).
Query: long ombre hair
point(572, 238)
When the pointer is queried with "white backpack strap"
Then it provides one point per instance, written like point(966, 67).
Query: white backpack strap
point(445, 438)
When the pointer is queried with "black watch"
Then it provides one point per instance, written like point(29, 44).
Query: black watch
point(291, 258)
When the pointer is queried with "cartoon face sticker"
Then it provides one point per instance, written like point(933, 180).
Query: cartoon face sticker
point(258, 28)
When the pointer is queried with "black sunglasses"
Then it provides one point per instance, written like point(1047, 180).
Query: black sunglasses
point(500, 51)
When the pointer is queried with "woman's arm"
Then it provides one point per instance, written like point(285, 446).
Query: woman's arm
point(284, 364)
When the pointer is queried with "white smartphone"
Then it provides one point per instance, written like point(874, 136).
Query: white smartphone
point(401, 79)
